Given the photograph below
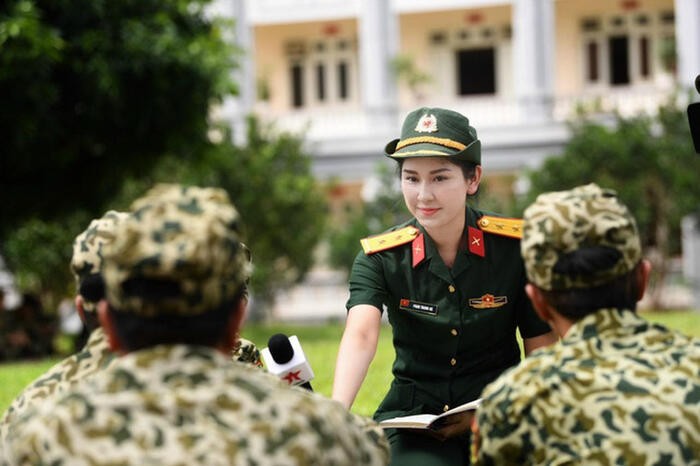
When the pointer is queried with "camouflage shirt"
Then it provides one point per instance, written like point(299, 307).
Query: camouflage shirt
point(615, 390)
point(187, 405)
point(95, 355)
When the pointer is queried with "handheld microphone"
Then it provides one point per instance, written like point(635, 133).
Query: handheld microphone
point(284, 358)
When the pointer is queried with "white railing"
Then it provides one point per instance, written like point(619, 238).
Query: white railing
point(483, 112)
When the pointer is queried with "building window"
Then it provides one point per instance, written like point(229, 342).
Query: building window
point(476, 71)
point(343, 91)
point(619, 60)
point(623, 50)
point(644, 56)
point(321, 72)
point(297, 81)
point(320, 82)
point(471, 61)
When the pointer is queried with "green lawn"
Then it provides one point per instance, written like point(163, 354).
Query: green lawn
point(320, 344)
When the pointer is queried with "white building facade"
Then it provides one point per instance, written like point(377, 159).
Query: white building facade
point(518, 69)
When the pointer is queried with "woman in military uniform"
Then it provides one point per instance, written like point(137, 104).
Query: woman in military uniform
point(452, 282)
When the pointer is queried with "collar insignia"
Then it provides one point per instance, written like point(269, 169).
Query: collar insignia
point(418, 247)
point(475, 237)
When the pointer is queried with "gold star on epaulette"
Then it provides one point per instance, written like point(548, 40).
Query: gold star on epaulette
point(388, 240)
point(510, 227)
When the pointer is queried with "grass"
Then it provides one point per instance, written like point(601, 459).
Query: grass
point(320, 344)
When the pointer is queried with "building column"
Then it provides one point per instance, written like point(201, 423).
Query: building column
point(378, 42)
point(688, 41)
point(240, 106)
point(533, 58)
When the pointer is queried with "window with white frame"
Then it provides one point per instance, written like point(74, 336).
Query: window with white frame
point(475, 60)
point(321, 72)
point(626, 49)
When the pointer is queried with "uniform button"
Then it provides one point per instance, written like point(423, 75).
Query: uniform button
point(453, 361)
point(446, 408)
point(484, 222)
point(454, 332)
point(451, 289)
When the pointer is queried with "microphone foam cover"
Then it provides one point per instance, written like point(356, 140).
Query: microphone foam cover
point(280, 348)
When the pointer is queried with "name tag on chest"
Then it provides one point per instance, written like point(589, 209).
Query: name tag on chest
point(415, 306)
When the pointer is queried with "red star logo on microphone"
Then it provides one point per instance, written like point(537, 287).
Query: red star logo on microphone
point(292, 376)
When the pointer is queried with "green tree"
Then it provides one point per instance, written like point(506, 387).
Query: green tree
point(93, 91)
point(385, 210)
point(39, 253)
point(649, 161)
point(270, 182)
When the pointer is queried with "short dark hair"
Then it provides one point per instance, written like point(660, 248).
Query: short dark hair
point(576, 303)
point(206, 329)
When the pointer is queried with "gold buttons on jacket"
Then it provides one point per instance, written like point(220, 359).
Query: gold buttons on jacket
point(453, 361)
point(454, 332)
point(451, 289)
point(446, 408)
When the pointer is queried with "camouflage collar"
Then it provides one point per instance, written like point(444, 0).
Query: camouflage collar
point(601, 322)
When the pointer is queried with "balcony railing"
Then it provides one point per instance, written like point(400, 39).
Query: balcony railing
point(485, 112)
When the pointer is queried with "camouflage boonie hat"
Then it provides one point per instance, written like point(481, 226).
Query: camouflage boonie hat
point(436, 132)
point(88, 246)
point(189, 236)
point(558, 223)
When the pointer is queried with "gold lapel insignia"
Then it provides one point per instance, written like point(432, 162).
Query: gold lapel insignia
point(488, 301)
point(510, 227)
point(389, 239)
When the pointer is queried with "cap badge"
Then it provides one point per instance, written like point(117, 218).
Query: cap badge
point(426, 124)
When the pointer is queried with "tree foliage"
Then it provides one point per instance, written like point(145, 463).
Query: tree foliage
point(385, 210)
point(649, 161)
point(39, 253)
point(93, 91)
point(270, 182)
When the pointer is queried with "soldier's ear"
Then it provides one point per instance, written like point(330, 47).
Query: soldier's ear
point(474, 182)
point(104, 313)
point(79, 306)
point(539, 302)
point(642, 276)
point(236, 319)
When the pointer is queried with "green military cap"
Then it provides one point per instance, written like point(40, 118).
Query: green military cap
point(188, 238)
point(558, 223)
point(88, 246)
point(436, 132)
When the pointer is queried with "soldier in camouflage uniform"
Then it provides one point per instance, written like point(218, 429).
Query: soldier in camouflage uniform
point(174, 281)
point(616, 389)
point(86, 264)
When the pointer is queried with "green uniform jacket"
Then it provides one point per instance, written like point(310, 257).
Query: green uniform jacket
point(453, 330)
